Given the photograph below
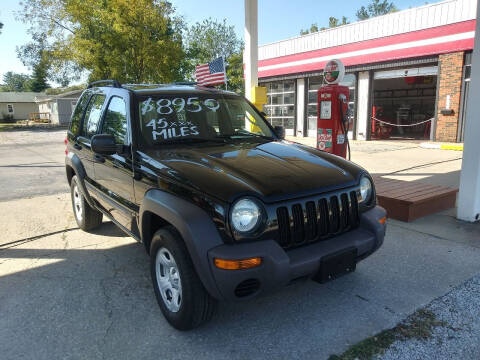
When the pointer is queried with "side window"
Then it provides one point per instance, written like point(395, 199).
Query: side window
point(93, 115)
point(115, 122)
point(78, 112)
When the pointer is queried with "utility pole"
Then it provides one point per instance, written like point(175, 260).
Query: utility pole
point(469, 196)
point(250, 55)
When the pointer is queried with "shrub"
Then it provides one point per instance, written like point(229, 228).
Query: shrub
point(7, 118)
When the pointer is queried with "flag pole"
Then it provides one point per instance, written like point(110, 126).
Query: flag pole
point(225, 67)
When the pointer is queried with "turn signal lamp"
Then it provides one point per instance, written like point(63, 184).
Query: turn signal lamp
point(383, 220)
point(238, 264)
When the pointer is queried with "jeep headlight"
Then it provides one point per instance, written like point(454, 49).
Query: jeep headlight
point(245, 215)
point(365, 190)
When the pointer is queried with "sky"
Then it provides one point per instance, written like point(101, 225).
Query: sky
point(277, 20)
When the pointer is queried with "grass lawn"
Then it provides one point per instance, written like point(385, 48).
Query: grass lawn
point(8, 126)
point(32, 126)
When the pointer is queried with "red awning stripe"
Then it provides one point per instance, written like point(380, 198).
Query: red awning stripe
point(417, 43)
point(436, 49)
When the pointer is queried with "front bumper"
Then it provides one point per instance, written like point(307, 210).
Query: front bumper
point(280, 267)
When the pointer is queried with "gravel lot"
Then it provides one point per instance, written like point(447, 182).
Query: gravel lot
point(32, 163)
point(458, 338)
point(69, 294)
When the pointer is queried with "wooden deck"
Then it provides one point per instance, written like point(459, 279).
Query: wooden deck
point(410, 200)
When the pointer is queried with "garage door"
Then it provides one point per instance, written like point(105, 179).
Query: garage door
point(399, 73)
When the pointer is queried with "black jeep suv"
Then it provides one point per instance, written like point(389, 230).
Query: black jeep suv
point(225, 207)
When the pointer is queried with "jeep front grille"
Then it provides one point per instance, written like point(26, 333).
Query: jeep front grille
point(310, 221)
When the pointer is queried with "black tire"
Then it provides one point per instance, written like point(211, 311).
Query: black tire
point(196, 306)
point(87, 217)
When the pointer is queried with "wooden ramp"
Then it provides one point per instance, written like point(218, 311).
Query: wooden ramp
point(410, 200)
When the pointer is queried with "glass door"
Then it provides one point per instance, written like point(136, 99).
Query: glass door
point(280, 108)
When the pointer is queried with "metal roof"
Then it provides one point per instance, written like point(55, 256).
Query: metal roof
point(19, 97)
point(75, 94)
point(70, 93)
point(415, 19)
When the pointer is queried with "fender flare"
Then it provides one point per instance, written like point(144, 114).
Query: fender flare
point(74, 162)
point(194, 225)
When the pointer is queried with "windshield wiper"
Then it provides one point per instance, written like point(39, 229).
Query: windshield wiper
point(192, 141)
point(245, 135)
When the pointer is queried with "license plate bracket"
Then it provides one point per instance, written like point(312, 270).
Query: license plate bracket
point(337, 264)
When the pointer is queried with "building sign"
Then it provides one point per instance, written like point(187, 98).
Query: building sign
point(334, 72)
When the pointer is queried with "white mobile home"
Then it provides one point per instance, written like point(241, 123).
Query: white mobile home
point(18, 105)
point(59, 107)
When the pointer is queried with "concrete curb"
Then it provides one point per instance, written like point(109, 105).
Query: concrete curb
point(457, 147)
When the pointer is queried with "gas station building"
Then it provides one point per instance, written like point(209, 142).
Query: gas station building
point(404, 68)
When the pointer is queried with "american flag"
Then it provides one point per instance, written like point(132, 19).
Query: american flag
point(212, 73)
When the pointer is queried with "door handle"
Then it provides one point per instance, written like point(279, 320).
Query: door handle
point(98, 158)
point(77, 146)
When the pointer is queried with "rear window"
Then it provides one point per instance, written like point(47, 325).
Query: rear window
point(78, 112)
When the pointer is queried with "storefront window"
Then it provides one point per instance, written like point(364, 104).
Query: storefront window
point(280, 108)
point(468, 66)
point(467, 71)
point(314, 84)
point(350, 80)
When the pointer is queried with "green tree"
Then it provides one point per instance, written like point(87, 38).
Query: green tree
point(36, 56)
point(131, 41)
point(235, 78)
point(313, 28)
point(15, 82)
point(375, 8)
point(39, 53)
point(61, 90)
point(39, 78)
point(332, 22)
point(210, 39)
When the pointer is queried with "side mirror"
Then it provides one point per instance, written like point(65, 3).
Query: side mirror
point(280, 131)
point(104, 144)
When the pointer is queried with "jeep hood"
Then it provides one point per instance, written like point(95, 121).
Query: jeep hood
point(271, 171)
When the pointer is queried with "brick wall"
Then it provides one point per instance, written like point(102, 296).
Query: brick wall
point(450, 83)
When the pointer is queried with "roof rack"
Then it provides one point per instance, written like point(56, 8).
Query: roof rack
point(142, 84)
point(185, 83)
point(113, 83)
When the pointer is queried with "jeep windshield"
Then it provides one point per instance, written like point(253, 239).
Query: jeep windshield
point(197, 118)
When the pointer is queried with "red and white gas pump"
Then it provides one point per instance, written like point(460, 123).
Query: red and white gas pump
point(332, 116)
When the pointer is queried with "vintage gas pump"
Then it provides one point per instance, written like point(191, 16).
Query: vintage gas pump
point(332, 118)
